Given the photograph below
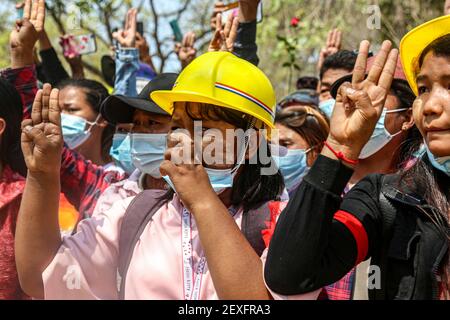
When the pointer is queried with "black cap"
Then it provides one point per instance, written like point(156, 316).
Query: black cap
point(302, 96)
point(335, 86)
point(119, 109)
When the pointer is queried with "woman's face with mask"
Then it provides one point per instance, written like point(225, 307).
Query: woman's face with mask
point(292, 140)
point(73, 101)
point(432, 107)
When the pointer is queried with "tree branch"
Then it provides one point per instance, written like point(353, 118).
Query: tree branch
point(156, 36)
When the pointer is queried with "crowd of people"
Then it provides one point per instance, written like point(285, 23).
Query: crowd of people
point(204, 185)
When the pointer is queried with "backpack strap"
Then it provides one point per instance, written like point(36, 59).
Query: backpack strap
point(138, 215)
point(253, 223)
point(389, 213)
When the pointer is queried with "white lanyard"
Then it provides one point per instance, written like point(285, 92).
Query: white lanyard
point(191, 282)
point(191, 286)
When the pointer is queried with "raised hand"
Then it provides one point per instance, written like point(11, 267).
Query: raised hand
point(224, 38)
point(26, 33)
point(34, 11)
point(127, 37)
point(184, 170)
point(185, 50)
point(42, 139)
point(359, 104)
point(219, 7)
point(333, 45)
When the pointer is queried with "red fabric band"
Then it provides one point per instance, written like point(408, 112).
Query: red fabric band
point(358, 232)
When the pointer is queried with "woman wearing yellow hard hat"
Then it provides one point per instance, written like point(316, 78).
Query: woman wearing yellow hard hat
point(399, 221)
point(186, 243)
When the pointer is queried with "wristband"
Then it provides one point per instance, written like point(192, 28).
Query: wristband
point(341, 156)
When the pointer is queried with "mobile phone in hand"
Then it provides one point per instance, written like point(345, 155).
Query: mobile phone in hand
point(86, 44)
point(230, 8)
point(176, 30)
point(20, 13)
point(233, 7)
point(260, 13)
point(140, 28)
point(78, 45)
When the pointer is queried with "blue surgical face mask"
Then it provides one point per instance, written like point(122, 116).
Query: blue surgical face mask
point(293, 167)
point(327, 107)
point(147, 152)
point(440, 163)
point(219, 179)
point(380, 137)
point(74, 129)
point(121, 151)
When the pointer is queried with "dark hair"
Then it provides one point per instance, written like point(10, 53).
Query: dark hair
point(311, 124)
point(95, 94)
point(250, 189)
point(401, 89)
point(307, 83)
point(440, 48)
point(343, 59)
point(11, 111)
point(420, 176)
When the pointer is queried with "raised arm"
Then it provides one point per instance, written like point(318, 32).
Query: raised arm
point(333, 45)
point(185, 50)
point(51, 65)
point(318, 239)
point(22, 73)
point(245, 44)
point(127, 57)
point(239, 277)
point(37, 233)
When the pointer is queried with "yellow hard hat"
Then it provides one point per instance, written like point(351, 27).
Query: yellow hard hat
point(416, 41)
point(224, 80)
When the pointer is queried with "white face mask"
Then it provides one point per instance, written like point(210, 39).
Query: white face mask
point(380, 137)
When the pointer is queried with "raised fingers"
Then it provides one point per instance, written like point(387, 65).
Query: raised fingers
point(132, 21)
point(389, 70)
point(34, 10)
point(47, 89)
point(233, 33)
point(127, 20)
point(36, 110)
point(380, 61)
point(40, 16)
point(333, 38)
point(192, 39)
point(27, 10)
point(338, 39)
point(185, 41)
point(219, 22)
point(54, 113)
point(228, 25)
point(359, 73)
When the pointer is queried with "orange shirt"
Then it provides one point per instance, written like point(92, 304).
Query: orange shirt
point(68, 216)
